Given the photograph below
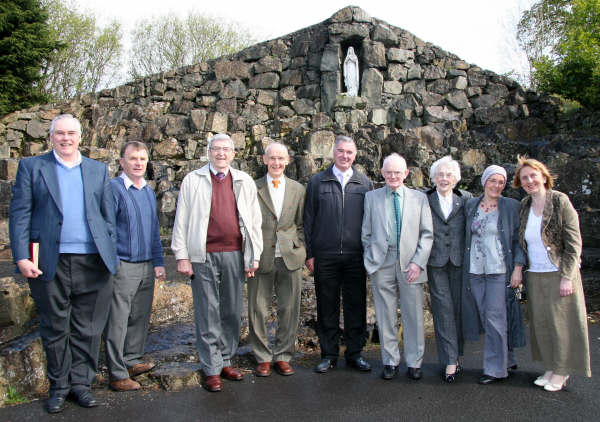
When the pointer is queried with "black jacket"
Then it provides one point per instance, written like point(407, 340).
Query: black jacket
point(332, 220)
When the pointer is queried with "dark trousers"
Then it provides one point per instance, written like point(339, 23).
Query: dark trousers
point(345, 273)
point(73, 309)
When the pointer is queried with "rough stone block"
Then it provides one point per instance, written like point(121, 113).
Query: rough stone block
point(8, 169)
point(287, 94)
point(384, 34)
point(458, 99)
point(4, 151)
point(439, 86)
point(459, 82)
point(321, 121)
point(227, 106)
point(181, 107)
point(430, 136)
point(234, 89)
point(216, 122)
point(396, 72)
point(268, 64)
point(304, 106)
point(291, 77)
point(416, 86)
point(17, 309)
point(438, 114)
point(477, 78)
point(392, 87)
point(37, 129)
point(169, 148)
point(172, 299)
point(267, 98)
point(433, 72)
point(474, 158)
point(255, 114)
point(497, 90)
point(379, 116)
point(226, 70)
point(358, 116)
point(343, 15)
point(484, 100)
point(372, 85)
point(198, 119)
point(330, 87)
point(344, 31)
point(23, 366)
point(431, 98)
point(176, 376)
point(374, 54)
point(311, 91)
point(321, 143)
point(330, 60)
point(414, 72)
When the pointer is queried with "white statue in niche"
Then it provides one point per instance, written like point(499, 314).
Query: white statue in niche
point(351, 73)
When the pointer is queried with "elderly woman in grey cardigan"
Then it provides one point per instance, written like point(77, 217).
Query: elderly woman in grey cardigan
point(493, 260)
point(445, 262)
point(550, 235)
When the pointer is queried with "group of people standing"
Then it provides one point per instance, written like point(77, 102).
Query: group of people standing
point(100, 253)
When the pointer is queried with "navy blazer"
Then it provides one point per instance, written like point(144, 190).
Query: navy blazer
point(36, 214)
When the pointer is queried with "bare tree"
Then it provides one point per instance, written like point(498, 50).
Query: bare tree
point(91, 59)
point(168, 42)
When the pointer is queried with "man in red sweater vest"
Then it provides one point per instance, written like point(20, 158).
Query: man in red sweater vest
point(217, 241)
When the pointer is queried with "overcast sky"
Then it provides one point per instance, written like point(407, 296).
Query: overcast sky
point(478, 31)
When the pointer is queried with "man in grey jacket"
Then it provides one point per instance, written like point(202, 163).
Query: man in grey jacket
point(216, 239)
point(397, 235)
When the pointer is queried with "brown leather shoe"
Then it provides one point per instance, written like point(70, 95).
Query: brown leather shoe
point(231, 373)
point(284, 368)
point(213, 383)
point(263, 369)
point(140, 368)
point(126, 384)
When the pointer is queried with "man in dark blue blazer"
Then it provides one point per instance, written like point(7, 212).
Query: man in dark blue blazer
point(64, 202)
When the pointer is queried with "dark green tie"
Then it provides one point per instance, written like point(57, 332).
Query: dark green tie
point(398, 210)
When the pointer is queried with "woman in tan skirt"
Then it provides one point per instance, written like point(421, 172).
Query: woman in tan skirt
point(551, 238)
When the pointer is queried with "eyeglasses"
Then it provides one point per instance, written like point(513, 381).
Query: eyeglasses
point(393, 173)
point(221, 149)
point(62, 133)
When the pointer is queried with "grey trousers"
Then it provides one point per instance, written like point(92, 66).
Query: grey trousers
point(445, 285)
point(129, 318)
point(288, 285)
point(73, 309)
point(388, 285)
point(489, 292)
point(217, 291)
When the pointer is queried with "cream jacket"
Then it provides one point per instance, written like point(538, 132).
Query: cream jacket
point(193, 212)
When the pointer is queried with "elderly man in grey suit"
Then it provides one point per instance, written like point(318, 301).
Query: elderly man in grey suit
point(281, 201)
point(63, 202)
point(397, 235)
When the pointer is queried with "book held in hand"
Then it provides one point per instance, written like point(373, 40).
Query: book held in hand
point(34, 253)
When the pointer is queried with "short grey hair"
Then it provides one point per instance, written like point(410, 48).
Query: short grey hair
point(446, 161)
point(61, 117)
point(268, 148)
point(344, 138)
point(221, 137)
point(394, 156)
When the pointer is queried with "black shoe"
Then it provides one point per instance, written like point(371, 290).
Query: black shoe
point(85, 398)
point(56, 402)
point(512, 368)
point(414, 373)
point(359, 363)
point(488, 379)
point(389, 372)
point(325, 365)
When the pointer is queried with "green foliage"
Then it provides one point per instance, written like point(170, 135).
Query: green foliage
point(13, 397)
point(25, 43)
point(169, 42)
point(569, 63)
point(91, 58)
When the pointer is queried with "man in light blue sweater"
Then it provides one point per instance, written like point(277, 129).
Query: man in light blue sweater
point(140, 253)
point(63, 202)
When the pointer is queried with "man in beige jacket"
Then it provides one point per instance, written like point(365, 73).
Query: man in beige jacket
point(216, 239)
point(281, 202)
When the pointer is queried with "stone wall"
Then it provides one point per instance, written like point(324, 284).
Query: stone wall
point(414, 98)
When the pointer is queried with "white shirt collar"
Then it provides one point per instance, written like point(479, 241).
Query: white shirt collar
point(128, 183)
point(214, 171)
point(345, 174)
point(444, 199)
point(65, 163)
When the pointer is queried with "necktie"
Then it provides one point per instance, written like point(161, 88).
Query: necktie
point(275, 183)
point(398, 219)
point(220, 176)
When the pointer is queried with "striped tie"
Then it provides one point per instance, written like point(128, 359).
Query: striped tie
point(398, 220)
